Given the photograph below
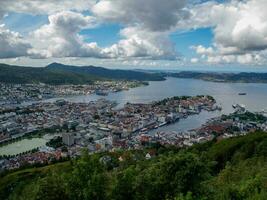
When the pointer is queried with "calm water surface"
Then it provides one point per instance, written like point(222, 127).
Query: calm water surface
point(226, 94)
point(22, 146)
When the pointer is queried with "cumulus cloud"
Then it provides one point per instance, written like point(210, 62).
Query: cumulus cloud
point(244, 29)
point(248, 58)
point(61, 38)
point(203, 50)
point(12, 44)
point(148, 25)
point(49, 40)
point(239, 27)
point(154, 15)
point(141, 43)
point(214, 56)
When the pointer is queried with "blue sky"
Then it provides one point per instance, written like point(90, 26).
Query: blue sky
point(134, 33)
point(24, 23)
point(105, 35)
point(184, 40)
point(109, 33)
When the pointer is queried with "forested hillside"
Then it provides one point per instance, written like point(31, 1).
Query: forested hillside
point(228, 169)
point(115, 74)
point(56, 73)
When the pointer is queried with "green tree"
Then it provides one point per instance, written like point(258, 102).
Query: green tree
point(88, 179)
point(51, 188)
point(125, 184)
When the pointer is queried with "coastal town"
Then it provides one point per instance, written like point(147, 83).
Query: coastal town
point(17, 94)
point(241, 122)
point(97, 125)
point(101, 126)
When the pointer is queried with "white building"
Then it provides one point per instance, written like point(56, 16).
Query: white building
point(68, 139)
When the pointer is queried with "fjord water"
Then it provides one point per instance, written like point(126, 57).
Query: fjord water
point(226, 94)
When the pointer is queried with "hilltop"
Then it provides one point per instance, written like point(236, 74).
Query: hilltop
point(57, 73)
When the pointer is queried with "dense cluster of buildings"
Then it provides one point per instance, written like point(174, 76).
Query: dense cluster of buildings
point(99, 116)
point(11, 94)
point(101, 126)
point(241, 122)
point(40, 157)
point(20, 121)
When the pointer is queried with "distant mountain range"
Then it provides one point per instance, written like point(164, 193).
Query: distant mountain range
point(57, 73)
point(244, 77)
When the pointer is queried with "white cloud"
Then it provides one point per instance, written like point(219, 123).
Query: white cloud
point(194, 60)
point(141, 43)
point(12, 44)
point(200, 15)
point(203, 50)
point(61, 38)
point(239, 27)
point(246, 59)
point(147, 26)
point(214, 56)
point(245, 29)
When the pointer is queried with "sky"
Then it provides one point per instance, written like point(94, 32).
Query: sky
point(147, 34)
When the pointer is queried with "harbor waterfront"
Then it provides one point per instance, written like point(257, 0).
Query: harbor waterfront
point(225, 94)
point(191, 122)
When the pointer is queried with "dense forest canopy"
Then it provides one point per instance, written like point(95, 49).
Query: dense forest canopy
point(234, 168)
